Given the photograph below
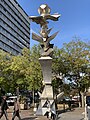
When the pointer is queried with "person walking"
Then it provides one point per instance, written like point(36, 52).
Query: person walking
point(4, 108)
point(48, 112)
point(16, 110)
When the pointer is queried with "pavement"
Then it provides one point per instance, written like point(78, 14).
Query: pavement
point(24, 114)
point(75, 114)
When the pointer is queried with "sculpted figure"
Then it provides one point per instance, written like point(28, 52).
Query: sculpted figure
point(44, 37)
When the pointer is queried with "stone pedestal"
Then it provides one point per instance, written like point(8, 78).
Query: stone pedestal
point(46, 63)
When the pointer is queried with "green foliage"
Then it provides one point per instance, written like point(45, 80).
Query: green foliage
point(59, 65)
point(56, 83)
point(66, 89)
point(24, 71)
point(77, 54)
point(21, 71)
point(72, 60)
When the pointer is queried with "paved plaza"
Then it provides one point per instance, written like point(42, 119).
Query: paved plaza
point(75, 114)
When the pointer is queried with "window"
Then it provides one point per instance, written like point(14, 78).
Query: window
point(0, 36)
point(4, 9)
point(0, 13)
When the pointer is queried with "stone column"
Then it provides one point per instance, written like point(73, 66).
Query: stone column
point(46, 63)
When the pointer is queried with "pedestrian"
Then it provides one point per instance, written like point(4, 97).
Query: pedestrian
point(48, 112)
point(69, 104)
point(4, 107)
point(16, 110)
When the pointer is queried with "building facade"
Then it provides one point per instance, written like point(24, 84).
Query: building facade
point(14, 27)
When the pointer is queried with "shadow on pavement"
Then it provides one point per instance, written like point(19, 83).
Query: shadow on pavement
point(63, 111)
point(29, 118)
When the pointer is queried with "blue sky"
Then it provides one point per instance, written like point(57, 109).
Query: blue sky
point(74, 20)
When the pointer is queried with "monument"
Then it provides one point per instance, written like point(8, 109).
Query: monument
point(46, 55)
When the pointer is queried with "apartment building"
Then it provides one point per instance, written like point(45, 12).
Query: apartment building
point(14, 27)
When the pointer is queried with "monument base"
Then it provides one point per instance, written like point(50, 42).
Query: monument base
point(42, 109)
point(46, 63)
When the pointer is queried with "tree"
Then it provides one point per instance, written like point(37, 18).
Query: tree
point(4, 63)
point(71, 61)
point(36, 73)
point(60, 68)
point(26, 69)
point(77, 56)
point(21, 71)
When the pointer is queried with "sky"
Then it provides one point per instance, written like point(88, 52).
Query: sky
point(74, 20)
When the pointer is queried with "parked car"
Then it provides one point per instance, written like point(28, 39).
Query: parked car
point(67, 99)
point(75, 100)
point(10, 100)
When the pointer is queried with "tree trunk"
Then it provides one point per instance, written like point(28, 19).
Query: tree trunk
point(82, 99)
point(80, 103)
point(33, 98)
